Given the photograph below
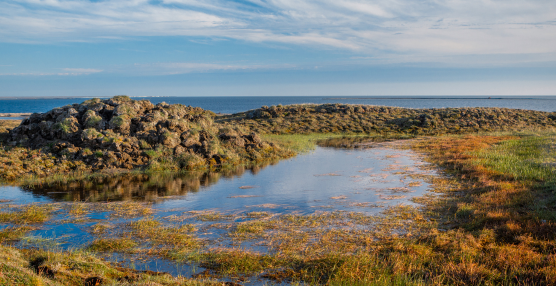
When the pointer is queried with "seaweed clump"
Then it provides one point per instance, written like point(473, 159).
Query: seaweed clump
point(121, 133)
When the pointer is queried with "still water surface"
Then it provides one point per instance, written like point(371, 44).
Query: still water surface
point(319, 179)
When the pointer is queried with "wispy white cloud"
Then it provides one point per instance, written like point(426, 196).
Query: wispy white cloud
point(64, 72)
point(81, 70)
point(41, 74)
point(189, 67)
point(153, 69)
point(388, 28)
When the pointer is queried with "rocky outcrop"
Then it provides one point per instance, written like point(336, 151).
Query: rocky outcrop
point(125, 133)
point(346, 118)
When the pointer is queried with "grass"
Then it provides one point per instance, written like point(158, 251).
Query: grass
point(252, 227)
point(169, 238)
point(522, 159)
point(504, 203)
point(146, 235)
point(37, 267)
point(233, 261)
point(13, 233)
point(305, 142)
point(210, 216)
point(113, 245)
point(27, 215)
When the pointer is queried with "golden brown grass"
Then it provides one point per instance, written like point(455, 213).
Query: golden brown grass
point(491, 224)
point(36, 267)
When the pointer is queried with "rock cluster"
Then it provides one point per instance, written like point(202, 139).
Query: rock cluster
point(308, 118)
point(125, 133)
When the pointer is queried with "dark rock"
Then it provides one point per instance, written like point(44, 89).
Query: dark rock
point(93, 281)
point(38, 265)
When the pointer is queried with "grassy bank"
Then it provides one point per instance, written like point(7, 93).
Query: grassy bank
point(35, 267)
point(498, 210)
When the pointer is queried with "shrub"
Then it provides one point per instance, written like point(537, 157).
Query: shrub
point(61, 127)
point(144, 145)
point(118, 121)
point(190, 162)
point(90, 134)
point(93, 120)
point(121, 98)
point(65, 125)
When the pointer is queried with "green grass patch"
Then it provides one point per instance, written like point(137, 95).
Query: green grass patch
point(113, 245)
point(27, 215)
point(13, 233)
point(301, 142)
point(528, 158)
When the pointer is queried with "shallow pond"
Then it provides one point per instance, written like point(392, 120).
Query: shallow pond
point(335, 179)
point(322, 182)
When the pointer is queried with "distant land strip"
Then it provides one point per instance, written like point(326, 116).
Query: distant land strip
point(15, 114)
point(453, 98)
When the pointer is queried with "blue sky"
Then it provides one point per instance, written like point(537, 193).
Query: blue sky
point(277, 47)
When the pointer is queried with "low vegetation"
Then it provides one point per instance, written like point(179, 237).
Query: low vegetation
point(6, 126)
point(39, 267)
point(387, 121)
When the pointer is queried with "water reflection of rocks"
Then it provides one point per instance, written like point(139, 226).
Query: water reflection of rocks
point(136, 186)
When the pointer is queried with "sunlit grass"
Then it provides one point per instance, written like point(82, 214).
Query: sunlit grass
point(26, 215)
point(523, 159)
point(13, 233)
point(124, 244)
point(306, 142)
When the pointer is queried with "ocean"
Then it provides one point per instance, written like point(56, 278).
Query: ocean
point(243, 103)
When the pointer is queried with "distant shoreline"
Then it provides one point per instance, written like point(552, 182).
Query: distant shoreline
point(449, 98)
point(326, 97)
point(25, 114)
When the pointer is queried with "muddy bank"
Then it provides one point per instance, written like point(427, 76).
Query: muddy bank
point(346, 118)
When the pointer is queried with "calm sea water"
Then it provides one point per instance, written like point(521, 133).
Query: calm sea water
point(239, 104)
